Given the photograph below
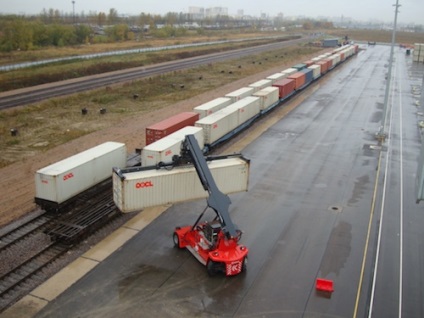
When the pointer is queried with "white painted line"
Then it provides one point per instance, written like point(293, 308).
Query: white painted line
point(401, 201)
point(383, 200)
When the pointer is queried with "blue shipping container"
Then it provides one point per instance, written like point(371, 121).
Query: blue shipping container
point(309, 75)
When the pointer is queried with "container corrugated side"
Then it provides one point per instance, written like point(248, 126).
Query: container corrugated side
point(240, 93)
point(218, 124)
point(299, 79)
point(285, 86)
point(316, 70)
point(170, 125)
point(212, 106)
point(308, 75)
point(134, 191)
point(324, 66)
point(268, 96)
point(247, 108)
point(261, 84)
point(71, 176)
point(164, 149)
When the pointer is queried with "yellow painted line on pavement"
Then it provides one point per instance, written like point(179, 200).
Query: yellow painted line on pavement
point(364, 257)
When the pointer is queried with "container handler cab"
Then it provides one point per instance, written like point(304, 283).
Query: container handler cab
point(215, 244)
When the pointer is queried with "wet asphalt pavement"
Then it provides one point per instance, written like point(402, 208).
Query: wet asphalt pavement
point(320, 184)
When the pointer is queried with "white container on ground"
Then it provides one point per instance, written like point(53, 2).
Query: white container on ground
point(261, 84)
point(164, 149)
point(268, 96)
point(240, 93)
point(212, 106)
point(67, 178)
point(134, 191)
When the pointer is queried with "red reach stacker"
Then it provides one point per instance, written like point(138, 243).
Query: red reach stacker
point(215, 244)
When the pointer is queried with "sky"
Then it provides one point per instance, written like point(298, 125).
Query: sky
point(411, 11)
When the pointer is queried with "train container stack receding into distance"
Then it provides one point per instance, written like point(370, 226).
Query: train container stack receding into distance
point(212, 123)
point(170, 125)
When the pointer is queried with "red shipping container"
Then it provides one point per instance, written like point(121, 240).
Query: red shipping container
point(299, 79)
point(170, 125)
point(342, 57)
point(308, 63)
point(329, 63)
point(285, 87)
point(324, 66)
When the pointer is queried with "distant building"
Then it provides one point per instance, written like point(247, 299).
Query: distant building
point(215, 11)
point(240, 13)
point(196, 13)
point(330, 42)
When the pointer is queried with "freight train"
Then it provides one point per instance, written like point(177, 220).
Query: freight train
point(212, 123)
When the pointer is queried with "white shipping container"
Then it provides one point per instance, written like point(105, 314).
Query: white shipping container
point(290, 71)
point(316, 59)
point(218, 124)
point(134, 191)
point(277, 76)
point(71, 176)
point(261, 84)
point(167, 147)
point(240, 93)
point(316, 71)
point(246, 108)
point(212, 106)
point(268, 96)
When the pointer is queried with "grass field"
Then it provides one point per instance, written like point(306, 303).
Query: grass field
point(47, 124)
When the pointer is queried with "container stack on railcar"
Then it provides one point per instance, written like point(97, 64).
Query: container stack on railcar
point(170, 125)
point(212, 123)
point(212, 106)
point(164, 149)
point(57, 185)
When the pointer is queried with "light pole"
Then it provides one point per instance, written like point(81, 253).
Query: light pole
point(381, 135)
point(73, 10)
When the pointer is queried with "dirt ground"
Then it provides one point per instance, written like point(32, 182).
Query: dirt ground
point(17, 186)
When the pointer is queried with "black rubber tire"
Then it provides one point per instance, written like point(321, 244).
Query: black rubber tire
point(244, 265)
point(210, 267)
point(176, 240)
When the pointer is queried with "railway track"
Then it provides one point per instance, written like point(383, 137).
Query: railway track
point(12, 284)
point(35, 250)
point(41, 92)
point(24, 231)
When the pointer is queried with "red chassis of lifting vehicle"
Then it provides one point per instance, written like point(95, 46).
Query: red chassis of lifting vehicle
point(213, 248)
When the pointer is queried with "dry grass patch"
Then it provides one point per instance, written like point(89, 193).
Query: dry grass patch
point(48, 124)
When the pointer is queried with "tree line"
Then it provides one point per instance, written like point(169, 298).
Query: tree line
point(53, 28)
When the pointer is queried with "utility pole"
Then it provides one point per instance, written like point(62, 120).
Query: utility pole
point(381, 135)
point(73, 10)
